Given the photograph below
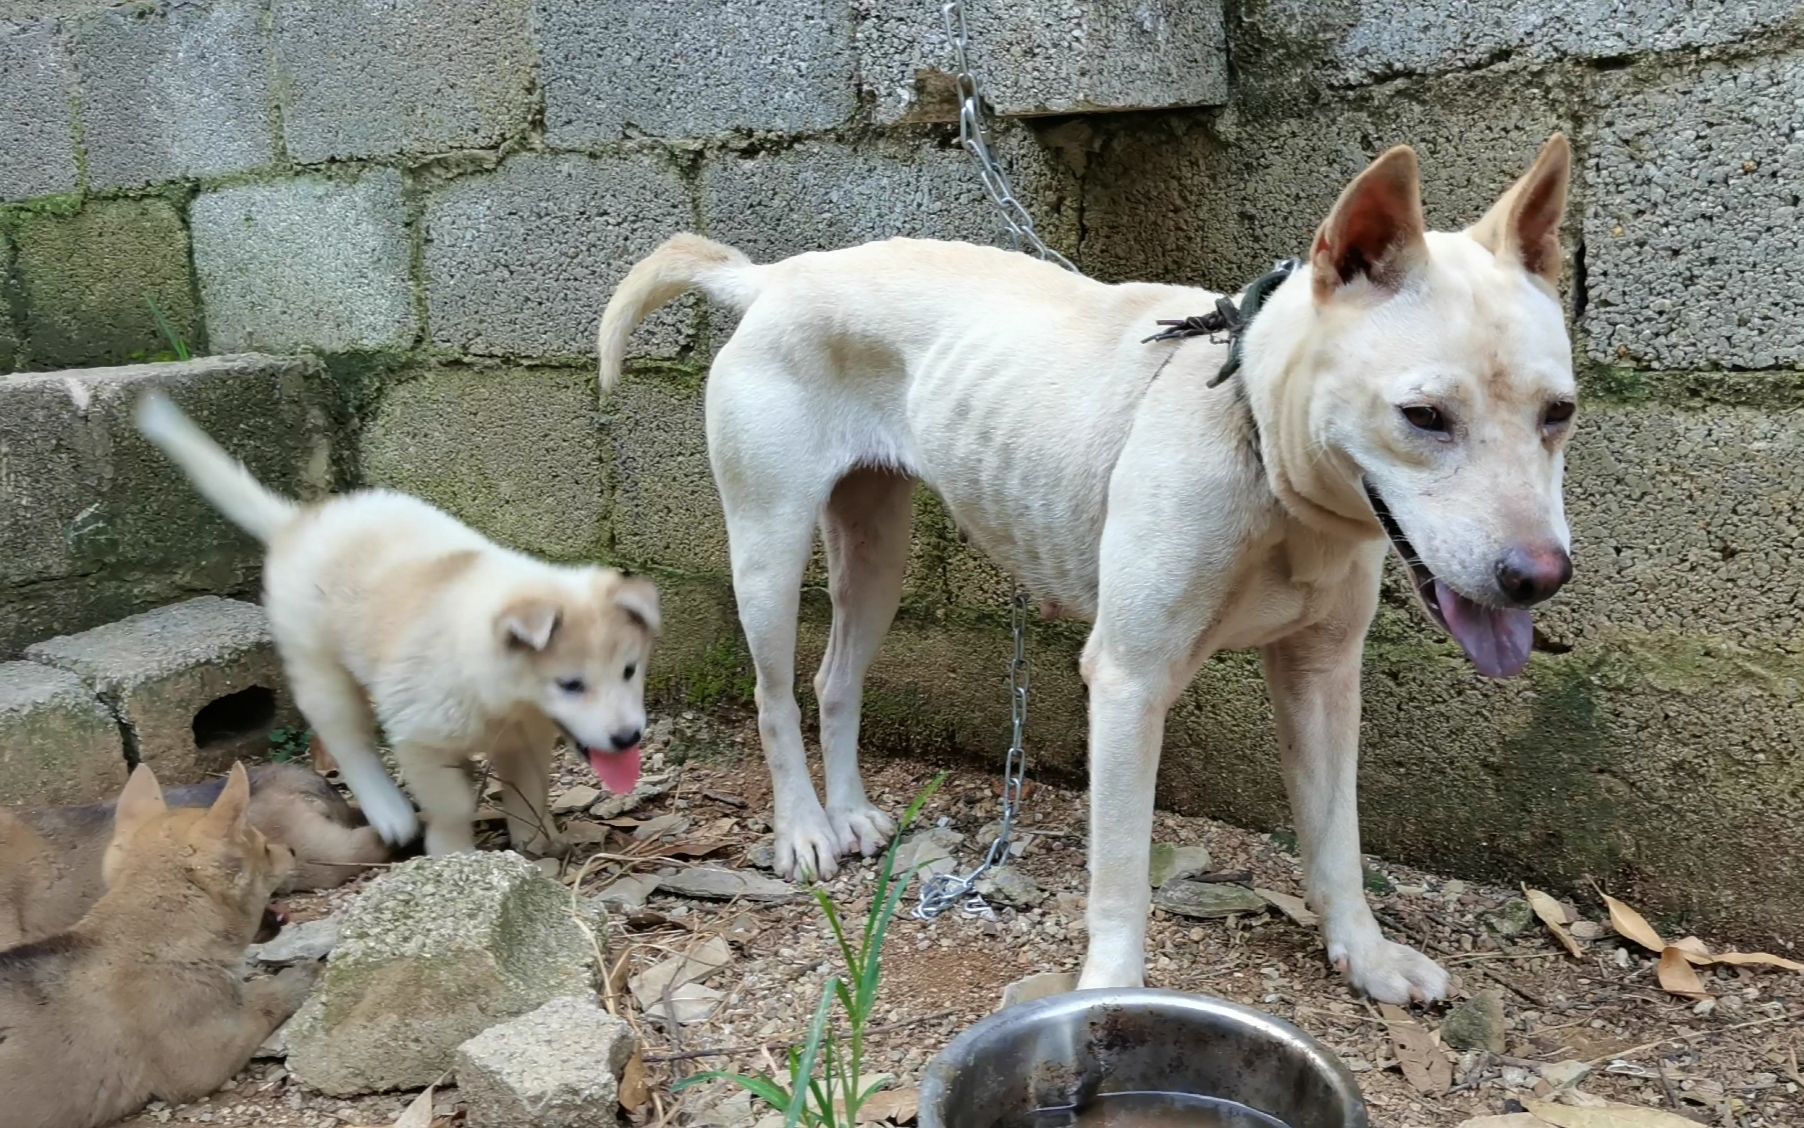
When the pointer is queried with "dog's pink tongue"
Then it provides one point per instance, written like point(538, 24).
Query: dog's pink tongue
point(618, 771)
point(1496, 639)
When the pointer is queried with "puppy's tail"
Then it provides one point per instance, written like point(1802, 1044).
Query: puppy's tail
point(683, 263)
point(219, 477)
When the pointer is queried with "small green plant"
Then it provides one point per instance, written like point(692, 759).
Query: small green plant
point(826, 1086)
point(287, 745)
point(178, 348)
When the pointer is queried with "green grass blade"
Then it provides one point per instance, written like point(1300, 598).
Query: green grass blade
point(839, 932)
point(764, 1088)
point(176, 345)
point(804, 1066)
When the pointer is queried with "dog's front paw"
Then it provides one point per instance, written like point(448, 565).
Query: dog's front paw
point(860, 830)
point(1389, 972)
point(806, 847)
point(389, 812)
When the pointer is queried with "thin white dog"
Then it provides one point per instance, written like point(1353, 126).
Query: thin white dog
point(1400, 381)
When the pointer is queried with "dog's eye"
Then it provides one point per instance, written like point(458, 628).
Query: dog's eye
point(1425, 418)
point(1558, 412)
point(571, 685)
point(630, 671)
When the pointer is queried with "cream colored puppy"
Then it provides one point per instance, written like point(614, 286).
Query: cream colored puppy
point(387, 611)
point(1399, 381)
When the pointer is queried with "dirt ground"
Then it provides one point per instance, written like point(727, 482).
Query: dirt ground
point(1730, 1059)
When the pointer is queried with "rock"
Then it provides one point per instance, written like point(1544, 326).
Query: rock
point(1563, 1074)
point(930, 849)
point(1476, 1024)
point(1006, 885)
point(664, 826)
point(628, 893)
point(1041, 986)
point(556, 1067)
point(1206, 900)
point(1515, 1077)
point(578, 798)
point(1585, 929)
point(762, 854)
point(434, 952)
point(715, 884)
point(1510, 919)
point(689, 1004)
point(650, 985)
point(310, 940)
point(274, 1047)
point(650, 787)
point(1019, 842)
point(1171, 862)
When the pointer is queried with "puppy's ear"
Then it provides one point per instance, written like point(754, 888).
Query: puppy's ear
point(528, 624)
point(227, 814)
point(141, 801)
point(639, 599)
point(1376, 230)
point(1524, 223)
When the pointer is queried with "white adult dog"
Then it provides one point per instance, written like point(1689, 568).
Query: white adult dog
point(1400, 381)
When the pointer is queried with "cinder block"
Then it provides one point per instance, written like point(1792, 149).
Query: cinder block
point(516, 452)
point(58, 743)
point(520, 261)
point(196, 685)
point(694, 69)
point(37, 113)
point(173, 91)
point(822, 195)
point(95, 523)
point(305, 263)
point(89, 280)
point(1047, 57)
point(405, 76)
point(1694, 227)
point(11, 347)
point(1360, 41)
point(666, 510)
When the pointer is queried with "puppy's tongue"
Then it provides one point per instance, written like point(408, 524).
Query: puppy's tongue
point(1496, 639)
point(618, 771)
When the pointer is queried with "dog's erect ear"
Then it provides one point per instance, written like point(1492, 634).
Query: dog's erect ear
point(141, 801)
point(639, 598)
point(1376, 230)
point(227, 814)
point(1524, 223)
point(528, 624)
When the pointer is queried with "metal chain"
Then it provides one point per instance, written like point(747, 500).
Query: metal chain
point(943, 890)
point(976, 141)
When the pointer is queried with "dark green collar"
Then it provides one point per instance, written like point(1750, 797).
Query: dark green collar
point(1228, 318)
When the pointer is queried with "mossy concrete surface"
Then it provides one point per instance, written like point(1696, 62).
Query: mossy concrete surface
point(88, 281)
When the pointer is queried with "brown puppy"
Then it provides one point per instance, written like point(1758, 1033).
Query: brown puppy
point(142, 998)
point(50, 872)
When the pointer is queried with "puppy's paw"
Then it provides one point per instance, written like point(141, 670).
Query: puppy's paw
point(860, 830)
point(806, 847)
point(1389, 972)
point(392, 816)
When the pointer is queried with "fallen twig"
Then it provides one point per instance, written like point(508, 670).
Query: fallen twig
point(787, 1041)
point(1428, 941)
point(1682, 1039)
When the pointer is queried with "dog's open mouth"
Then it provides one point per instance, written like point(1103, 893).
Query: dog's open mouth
point(1496, 639)
point(617, 771)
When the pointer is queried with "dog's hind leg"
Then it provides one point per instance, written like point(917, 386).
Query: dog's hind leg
point(1313, 676)
point(865, 526)
point(442, 782)
point(340, 716)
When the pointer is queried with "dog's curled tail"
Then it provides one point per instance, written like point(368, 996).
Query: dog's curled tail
point(219, 477)
point(682, 263)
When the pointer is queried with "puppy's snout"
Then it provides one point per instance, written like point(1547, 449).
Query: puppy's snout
point(1528, 575)
point(625, 739)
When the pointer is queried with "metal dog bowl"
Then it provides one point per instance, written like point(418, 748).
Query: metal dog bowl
point(1069, 1049)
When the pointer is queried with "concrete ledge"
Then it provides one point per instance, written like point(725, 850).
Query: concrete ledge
point(37, 111)
point(196, 685)
point(58, 743)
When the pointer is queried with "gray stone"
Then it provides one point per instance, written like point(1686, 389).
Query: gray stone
point(928, 851)
point(174, 91)
point(305, 263)
point(694, 69)
point(432, 953)
point(762, 854)
point(309, 940)
point(1046, 57)
point(714, 884)
point(406, 76)
point(1476, 1024)
point(1692, 193)
point(1207, 900)
point(628, 893)
point(520, 261)
point(1006, 885)
point(514, 452)
point(556, 1067)
point(1511, 919)
point(58, 743)
point(1043, 985)
point(1563, 1074)
point(96, 524)
point(196, 685)
point(1170, 862)
point(37, 112)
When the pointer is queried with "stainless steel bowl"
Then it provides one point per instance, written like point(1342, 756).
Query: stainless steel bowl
point(1069, 1049)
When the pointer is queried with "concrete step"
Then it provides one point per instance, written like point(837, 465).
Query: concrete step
point(58, 743)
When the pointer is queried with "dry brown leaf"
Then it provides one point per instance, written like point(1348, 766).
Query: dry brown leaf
point(1292, 907)
point(1553, 915)
point(635, 1094)
point(1505, 1120)
point(1695, 950)
point(1677, 977)
point(891, 1106)
point(1609, 1116)
point(1425, 1067)
point(1633, 926)
point(1757, 959)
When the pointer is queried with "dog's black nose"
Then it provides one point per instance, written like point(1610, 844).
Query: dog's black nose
point(625, 739)
point(1529, 575)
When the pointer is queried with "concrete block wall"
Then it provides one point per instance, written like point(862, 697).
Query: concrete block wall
point(436, 200)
